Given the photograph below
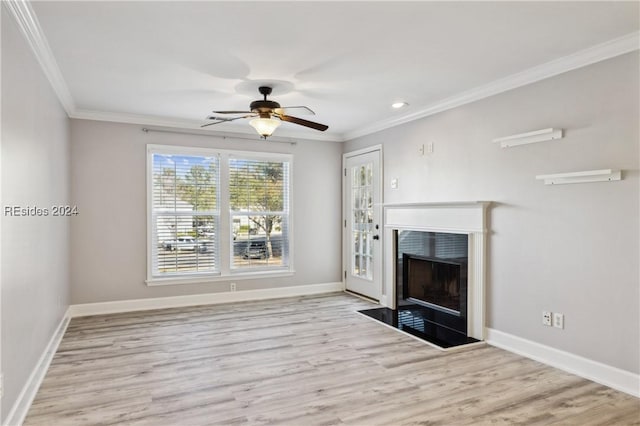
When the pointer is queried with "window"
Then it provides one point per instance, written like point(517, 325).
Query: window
point(259, 203)
point(185, 212)
point(216, 214)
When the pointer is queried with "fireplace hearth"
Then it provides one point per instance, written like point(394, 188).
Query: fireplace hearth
point(417, 321)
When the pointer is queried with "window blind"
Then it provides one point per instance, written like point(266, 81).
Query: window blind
point(259, 211)
point(185, 214)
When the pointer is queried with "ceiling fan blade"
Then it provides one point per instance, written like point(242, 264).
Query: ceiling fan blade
point(224, 120)
point(300, 110)
point(211, 124)
point(232, 112)
point(300, 121)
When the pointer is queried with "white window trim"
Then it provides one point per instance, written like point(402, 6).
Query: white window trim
point(225, 272)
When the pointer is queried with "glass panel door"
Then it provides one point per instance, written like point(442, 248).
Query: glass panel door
point(362, 217)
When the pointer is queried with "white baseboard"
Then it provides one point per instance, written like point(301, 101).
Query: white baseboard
point(598, 372)
point(101, 308)
point(18, 412)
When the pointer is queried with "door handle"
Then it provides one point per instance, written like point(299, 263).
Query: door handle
point(376, 237)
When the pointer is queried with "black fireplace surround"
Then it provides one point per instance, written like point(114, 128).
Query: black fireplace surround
point(431, 288)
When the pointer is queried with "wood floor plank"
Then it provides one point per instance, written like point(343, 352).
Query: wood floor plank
point(299, 361)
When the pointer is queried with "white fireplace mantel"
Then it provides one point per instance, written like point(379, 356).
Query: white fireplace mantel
point(451, 217)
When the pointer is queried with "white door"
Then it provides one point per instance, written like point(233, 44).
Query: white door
point(363, 230)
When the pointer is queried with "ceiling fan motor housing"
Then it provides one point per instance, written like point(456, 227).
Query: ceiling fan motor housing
point(262, 107)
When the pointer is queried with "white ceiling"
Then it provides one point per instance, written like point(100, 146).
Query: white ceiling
point(175, 62)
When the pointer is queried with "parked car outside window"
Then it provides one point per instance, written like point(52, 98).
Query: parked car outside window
point(256, 250)
point(184, 243)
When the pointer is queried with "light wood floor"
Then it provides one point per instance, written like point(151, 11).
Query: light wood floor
point(300, 361)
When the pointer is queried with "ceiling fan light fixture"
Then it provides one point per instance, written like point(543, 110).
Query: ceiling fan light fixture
point(265, 126)
point(268, 115)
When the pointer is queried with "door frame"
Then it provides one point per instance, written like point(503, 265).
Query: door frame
point(378, 270)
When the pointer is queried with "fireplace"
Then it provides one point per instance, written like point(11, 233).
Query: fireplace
point(431, 279)
point(434, 271)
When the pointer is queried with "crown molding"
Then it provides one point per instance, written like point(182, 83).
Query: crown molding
point(28, 24)
point(600, 52)
point(149, 120)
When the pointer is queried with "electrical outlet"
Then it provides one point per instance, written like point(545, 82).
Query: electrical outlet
point(394, 183)
point(232, 287)
point(546, 318)
point(558, 320)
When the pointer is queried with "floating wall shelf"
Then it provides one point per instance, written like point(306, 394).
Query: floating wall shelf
point(529, 137)
point(604, 175)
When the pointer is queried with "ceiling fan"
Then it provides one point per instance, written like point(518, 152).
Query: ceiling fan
point(268, 115)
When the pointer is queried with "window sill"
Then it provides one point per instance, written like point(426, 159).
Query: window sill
point(234, 276)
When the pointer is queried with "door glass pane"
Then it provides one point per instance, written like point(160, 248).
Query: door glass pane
point(362, 216)
point(356, 242)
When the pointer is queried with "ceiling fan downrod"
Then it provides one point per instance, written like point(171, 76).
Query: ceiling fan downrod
point(265, 90)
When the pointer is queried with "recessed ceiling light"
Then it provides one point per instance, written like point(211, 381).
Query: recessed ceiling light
point(399, 105)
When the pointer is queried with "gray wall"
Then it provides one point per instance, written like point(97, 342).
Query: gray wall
point(108, 239)
point(570, 248)
point(35, 250)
